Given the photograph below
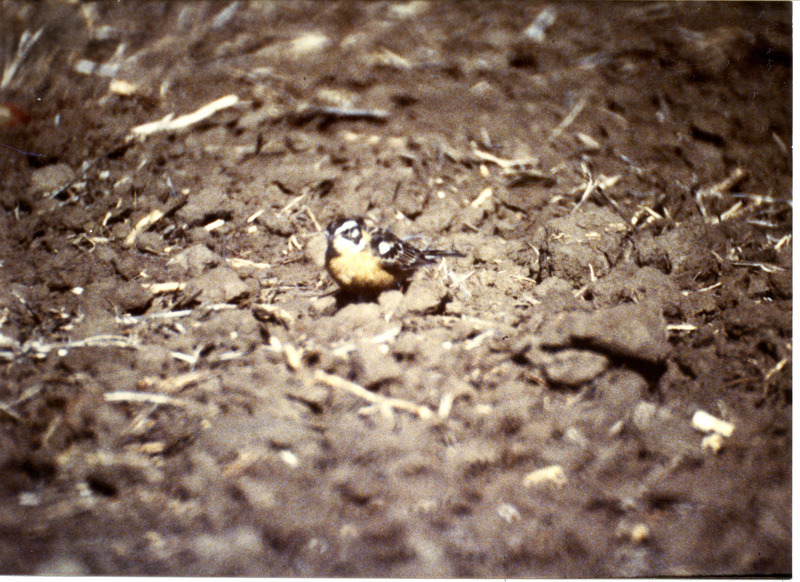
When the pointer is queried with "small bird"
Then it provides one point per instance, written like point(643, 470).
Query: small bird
point(369, 260)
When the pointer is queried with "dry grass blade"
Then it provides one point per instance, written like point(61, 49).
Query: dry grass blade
point(153, 217)
point(107, 341)
point(785, 239)
point(503, 163)
point(767, 268)
point(238, 263)
point(717, 189)
point(680, 327)
point(313, 218)
point(172, 123)
point(26, 42)
point(173, 384)
point(567, 121)
point(128, 319)
point(485, 195)
point(6, 409)
point(379, 400)
point(599, 185)
point(143, 225)
point(293, 202)
point(777, 368)
point(145, 398)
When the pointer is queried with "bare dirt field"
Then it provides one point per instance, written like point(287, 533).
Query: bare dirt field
point(601, 386)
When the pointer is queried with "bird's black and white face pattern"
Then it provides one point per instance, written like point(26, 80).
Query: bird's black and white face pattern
point(346, 236)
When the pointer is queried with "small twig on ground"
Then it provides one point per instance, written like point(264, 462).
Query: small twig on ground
point(785, 239)
point(145, 398)
point(172, 123)
point(599, 185)
point(718, 189)
point(294, 356)
point(26, 42)
point(767, 268)
point(763, 223)
point(780, 143)
point(479, 339)
point(445, 405)
point(379, 400)
point(173, 384)
point(143, 225)
point(680, 327)
point(643, 210)
point(485, 195)
point(567, 121)
point(166, 287)
point(152, 218)
point(113, 341)
point(292, 203)
point(705, 422)
point(128, 319)
point(191, 359)
point(255, 215)
point(312, 217)
point(214, 225)
point(503, 163)
point(777, 368)
point(237, 263)
point(6, 409)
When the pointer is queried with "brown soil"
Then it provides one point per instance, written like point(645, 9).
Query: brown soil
point(619, 179)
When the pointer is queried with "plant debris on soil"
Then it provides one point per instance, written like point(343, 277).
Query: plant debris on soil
point(601, 386)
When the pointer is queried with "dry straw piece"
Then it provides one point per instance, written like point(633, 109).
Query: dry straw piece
point(704, 422)
point(553, 475)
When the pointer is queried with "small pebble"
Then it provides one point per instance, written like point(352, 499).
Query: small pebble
point(553, 475)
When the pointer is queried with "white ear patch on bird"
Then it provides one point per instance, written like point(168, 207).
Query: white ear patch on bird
point(385, 247)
